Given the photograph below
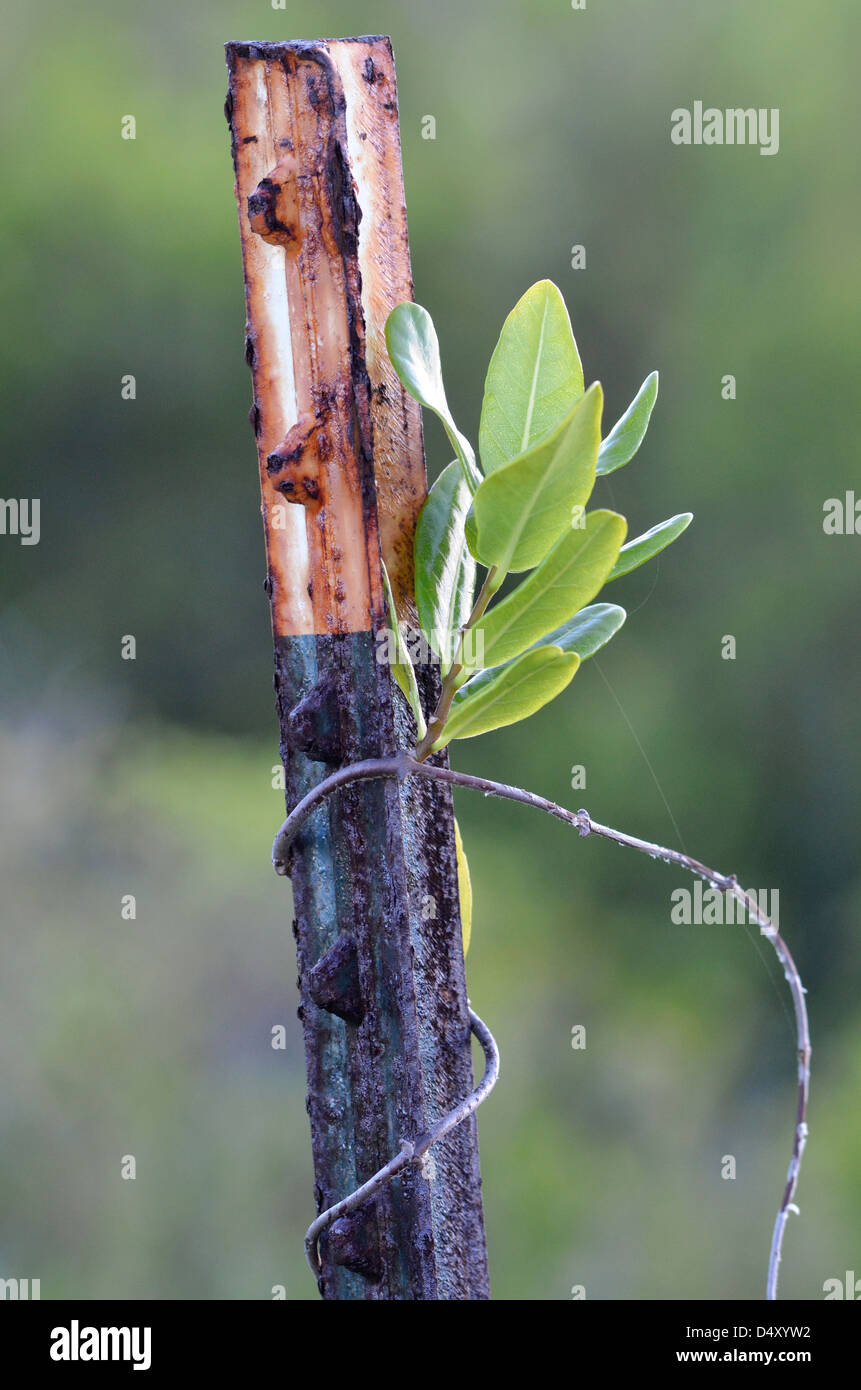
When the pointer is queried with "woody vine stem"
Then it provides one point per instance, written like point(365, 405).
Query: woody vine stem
point(436, 725)
point(401, 766)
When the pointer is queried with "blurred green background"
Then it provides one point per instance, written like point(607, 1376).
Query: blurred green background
point(601, 1167)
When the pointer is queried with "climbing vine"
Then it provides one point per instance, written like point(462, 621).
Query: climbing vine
point(521, 508)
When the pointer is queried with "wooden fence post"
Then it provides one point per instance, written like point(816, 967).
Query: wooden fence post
point(319, 188)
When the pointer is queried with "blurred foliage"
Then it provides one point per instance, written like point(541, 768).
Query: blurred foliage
point(153, 777)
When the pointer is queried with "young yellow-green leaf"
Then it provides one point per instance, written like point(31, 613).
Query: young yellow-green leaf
point(588, 630)
point(534, 377)
point(571, 575)
point(628, 433)
point(522, 508)
point(445, 570)
point(402, 667)
point(464, 888)
point(642, 548)
point(414, 351)
point(509, 693)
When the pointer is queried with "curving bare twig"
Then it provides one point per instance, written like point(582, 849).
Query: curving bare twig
point(402, 765)
point(411, 1151)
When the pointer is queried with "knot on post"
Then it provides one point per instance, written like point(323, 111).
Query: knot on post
point(353, 1242)
point(273, 207)
point(312, 725)
point(296, 466)
point(334, 985)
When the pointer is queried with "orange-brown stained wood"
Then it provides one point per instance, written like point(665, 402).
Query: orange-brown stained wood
point(325, 253)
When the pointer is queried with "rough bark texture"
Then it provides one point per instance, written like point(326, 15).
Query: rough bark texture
point(323, 228)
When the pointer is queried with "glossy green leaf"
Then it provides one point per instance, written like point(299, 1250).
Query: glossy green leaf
point(414, 351)
point(464, 889)
point(402, 668)
point(628, 433)
point(638, 551)
point(445, 570)
point(521, 509)
point(571, 575)
point(588, 630)
point(534, 377)
point(509, 693)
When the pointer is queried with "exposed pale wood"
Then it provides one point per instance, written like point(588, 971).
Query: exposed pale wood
point(314, 313)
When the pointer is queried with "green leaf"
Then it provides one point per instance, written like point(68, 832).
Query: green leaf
point(534, 377)
point(509, 693)
point(402, 667)
point(464, 889)
point(414, 351)
point(571, 575)
point(638, 551)
point(445, 570)
point(523, 507)
point(588, 630)
point(627, 434)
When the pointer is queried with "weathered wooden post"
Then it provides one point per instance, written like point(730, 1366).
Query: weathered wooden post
point(319, 188)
